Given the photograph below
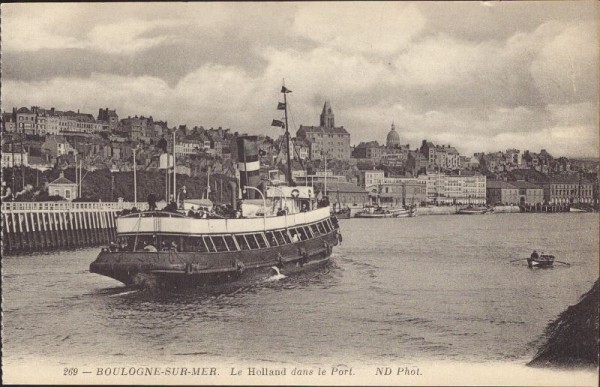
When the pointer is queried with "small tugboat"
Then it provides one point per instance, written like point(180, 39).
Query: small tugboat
point(540, 260)
point(169, 247)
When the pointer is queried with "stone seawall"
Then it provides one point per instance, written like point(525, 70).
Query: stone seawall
point(507, 209)
point(442, 210)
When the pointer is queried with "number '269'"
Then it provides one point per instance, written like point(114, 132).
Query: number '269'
point(70, 371)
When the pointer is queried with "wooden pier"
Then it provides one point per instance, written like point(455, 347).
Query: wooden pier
point(43, 226)
point(548, 208)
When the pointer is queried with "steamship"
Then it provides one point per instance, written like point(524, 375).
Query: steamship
point(291, 234)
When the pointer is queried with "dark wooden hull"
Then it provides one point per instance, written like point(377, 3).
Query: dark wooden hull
point(200, 269)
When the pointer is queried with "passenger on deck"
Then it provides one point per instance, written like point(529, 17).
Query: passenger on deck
point(304, 208)
point(173, 246)
point(191, 213)
point(295, 238)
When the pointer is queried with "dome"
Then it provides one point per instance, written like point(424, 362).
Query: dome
point(393, 138)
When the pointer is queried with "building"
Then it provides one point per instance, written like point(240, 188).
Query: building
point(326, 140)
point(501, 193)
point(529, 193)
point(440, 157)
point(370, 177)
point(398, 191)
point(567, 189)
point(189, 146)
point(368, 150)
point(393, 138)
point(9, 123)
point(301, 149)
point(416, 162)
point(57, 146)
point(342, 194)
point(63, 187)
point(138, 128)
point(26, 120)
point(109, 119)
point(13, 156)
point(454, 189)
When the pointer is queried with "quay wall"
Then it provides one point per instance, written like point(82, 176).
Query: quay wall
point(43, 226)
point(442, 210)
point(506, 209)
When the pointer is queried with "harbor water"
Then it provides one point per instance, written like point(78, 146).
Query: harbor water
point(407, 289)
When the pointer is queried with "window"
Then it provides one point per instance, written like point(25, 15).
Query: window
point(261, 241)
point(219, 243)
point(252, 241)
point(322, 228)
point(271, 239)
point(242, 242)
point(198, 245)
point(230, 243)
point(301, 233)
point(209, 244)
point(279, 237)
point(315, 229)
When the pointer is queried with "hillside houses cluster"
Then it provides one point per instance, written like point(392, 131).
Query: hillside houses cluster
point(389, 172)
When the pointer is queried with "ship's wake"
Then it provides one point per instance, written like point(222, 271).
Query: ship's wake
point(125, 293)
point(276, 275)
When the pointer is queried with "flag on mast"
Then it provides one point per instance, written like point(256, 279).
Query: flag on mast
point(285, 90)
point(281, 106)
point(277, 123)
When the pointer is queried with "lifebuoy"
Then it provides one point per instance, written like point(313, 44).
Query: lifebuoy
point(295, 193)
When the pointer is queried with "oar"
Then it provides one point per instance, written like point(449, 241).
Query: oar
point(520, 259)
point(564, 263)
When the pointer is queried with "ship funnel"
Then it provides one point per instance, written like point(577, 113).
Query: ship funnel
point(248, 164)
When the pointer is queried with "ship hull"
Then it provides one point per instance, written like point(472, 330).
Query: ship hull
point(172, 268)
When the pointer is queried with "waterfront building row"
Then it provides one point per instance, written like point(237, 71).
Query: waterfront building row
point(558, 190)
point(436, 188)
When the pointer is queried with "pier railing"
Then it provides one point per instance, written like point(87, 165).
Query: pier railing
point(70, 206)
point(39, 226)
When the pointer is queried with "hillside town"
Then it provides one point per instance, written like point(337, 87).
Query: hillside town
point(50, 154)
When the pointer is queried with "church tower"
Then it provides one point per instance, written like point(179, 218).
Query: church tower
point(327, 117)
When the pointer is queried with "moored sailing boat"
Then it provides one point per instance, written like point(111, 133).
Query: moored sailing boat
point(175, 248)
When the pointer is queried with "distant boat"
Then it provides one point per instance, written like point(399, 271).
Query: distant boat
point(543, 261)
point(384, 212)
point(472, 210)
point(581, 207)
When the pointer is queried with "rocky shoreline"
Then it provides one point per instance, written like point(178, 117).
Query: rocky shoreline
point(572, 339)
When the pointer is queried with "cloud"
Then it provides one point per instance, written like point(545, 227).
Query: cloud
point(526, 78)
point(383, 27)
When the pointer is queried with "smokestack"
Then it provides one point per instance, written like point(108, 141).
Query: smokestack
point(248, 164)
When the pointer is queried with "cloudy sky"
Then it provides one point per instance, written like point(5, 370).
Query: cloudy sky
point(481, 76)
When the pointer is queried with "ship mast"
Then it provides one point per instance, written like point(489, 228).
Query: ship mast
point(284, 90)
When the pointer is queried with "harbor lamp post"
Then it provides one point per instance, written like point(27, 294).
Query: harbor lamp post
point(263, 198)
point(112, 183)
